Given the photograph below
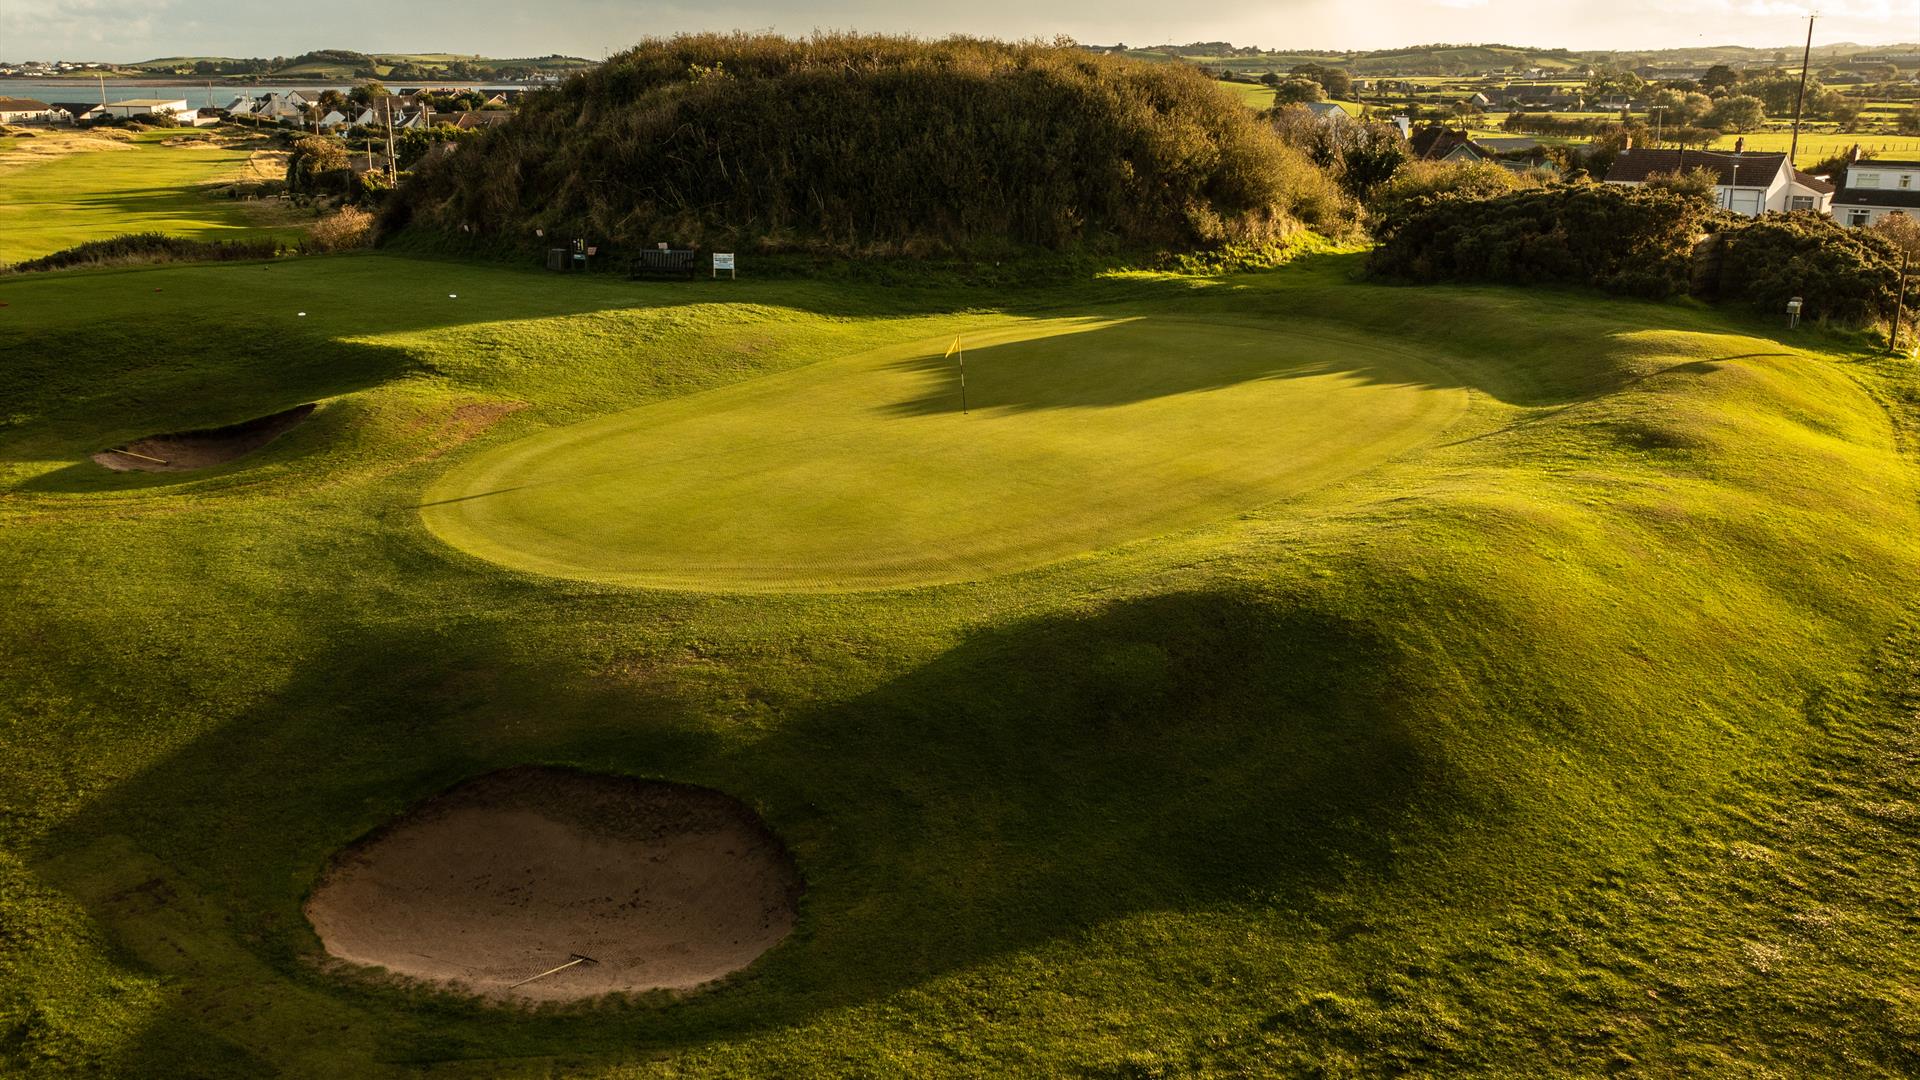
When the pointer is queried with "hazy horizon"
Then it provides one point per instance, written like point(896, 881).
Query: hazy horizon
point(95, 30)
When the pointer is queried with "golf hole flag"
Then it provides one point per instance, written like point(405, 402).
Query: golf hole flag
point(953, 350)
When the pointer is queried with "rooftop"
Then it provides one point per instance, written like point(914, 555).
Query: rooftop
point(1734, 170)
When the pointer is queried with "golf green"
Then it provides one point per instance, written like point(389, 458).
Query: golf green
point(864, 472)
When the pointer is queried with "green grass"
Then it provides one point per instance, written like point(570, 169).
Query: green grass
point(109, 188)
point(863, 471)
point(1575, 741)
point(1252, 95)
point(1819, 146)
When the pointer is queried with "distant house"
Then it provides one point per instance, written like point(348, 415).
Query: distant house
point(15, 110)
point(334, 118)
point(468, 121)
point(1749, 184)
point(76, 112)
point(1876, 188)
point(1479, 100)
point(174, 107)
point(1324, 111)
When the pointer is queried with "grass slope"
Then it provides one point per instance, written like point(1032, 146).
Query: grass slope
point(1571, 743)
point(864, 471)
point(97, 188)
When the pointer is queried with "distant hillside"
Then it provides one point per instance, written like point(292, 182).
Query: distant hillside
point(853, 143)
point(347, 64)
point(1442, 59)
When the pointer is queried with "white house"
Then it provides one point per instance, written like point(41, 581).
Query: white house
point(1327, 112)
point(76, 112)
point(15, 110)
point(1749, 184)
point(174, 107)
point(1874, 188)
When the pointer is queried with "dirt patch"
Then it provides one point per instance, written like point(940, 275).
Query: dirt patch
point(188, 450)
point(666, 887)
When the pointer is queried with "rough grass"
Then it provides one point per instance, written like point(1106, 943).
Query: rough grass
point(1576, 742)
point(96, 188)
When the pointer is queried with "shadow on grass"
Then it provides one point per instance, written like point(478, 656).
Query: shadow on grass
point(1033, 783)
point(211, 381)
point(1142, 359)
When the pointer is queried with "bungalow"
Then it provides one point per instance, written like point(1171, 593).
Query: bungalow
point(15, 110)
point(1749, 184)
point(1876, 188)
point(76, 112)
point(174, 107)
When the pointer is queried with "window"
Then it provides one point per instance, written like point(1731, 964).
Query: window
point(1867, 179)
point(1801, 202)
point(1906, 180)
point(1858, 217)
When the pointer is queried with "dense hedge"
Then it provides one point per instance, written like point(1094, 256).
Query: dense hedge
point(857, 143)
point(1842, 274)
point(1635, 240)
point(136, 248)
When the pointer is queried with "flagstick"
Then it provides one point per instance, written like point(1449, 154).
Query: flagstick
point(963, 380)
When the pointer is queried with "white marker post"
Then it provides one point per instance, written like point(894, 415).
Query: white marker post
point(723, 260)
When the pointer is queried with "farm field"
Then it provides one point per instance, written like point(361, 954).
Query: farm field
point(1565, 732)
point(58, 189)
point(1821, 145)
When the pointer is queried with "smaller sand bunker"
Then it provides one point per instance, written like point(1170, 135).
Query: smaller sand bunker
point(189, 450)
point(665, 886)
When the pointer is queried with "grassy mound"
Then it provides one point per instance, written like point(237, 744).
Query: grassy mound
point(856, 143)
point(1576, 741)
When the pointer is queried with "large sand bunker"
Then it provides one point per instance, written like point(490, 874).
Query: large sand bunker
point(664, 886)
point(188, 450)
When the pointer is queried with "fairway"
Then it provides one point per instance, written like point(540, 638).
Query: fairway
point(110, 188)
point(863, 472)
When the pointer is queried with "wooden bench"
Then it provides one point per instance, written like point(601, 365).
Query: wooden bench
point(658, 263)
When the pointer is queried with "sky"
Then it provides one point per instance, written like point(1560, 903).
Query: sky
point(124, 31)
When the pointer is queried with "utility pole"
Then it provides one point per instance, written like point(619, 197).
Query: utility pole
point(1800, 99)
point(392, 164)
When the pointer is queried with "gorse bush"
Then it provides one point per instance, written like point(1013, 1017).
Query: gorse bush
point(1427, 180)
point(138, 248)
point(343, 230)
point(856, 143)
point(1843, 275)
point(1632, 240)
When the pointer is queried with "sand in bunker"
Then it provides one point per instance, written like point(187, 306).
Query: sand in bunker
point(185, 451)
point(667, 886)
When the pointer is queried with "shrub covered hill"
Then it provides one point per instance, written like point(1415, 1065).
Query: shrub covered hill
point(856, 143)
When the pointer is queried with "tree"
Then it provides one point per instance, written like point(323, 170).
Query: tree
point(368, 93)
point(1843, 111)
point(332, 99)
point(1719, 77)
point(1615, 83)
point(1336, 82)
point(1902, 230)
point(1737, 113)
point(1909, 121)
point(1298, 91)
point(312, 157)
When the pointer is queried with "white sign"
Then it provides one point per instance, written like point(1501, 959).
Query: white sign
point(722, 261)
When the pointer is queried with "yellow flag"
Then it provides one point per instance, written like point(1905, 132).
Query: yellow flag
point(951, 349)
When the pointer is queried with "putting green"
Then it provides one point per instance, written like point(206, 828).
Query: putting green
point(862, 472)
